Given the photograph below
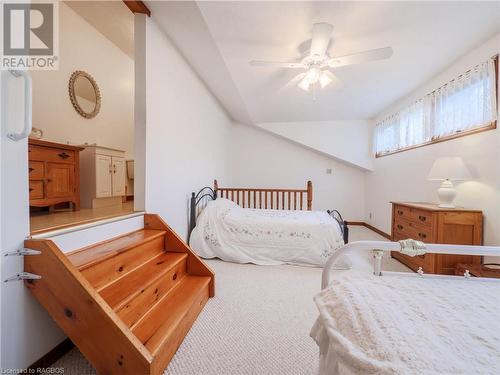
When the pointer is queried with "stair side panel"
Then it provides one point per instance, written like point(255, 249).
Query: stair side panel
point(165, 350)
point(82, 313)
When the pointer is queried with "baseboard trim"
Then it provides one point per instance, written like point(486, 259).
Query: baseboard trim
point(371, 227)
point(51, 357)
point(362, 223)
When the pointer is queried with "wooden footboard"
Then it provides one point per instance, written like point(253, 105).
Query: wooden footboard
point(277, 199)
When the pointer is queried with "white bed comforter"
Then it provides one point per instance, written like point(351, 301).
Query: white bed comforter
point(266, 237)
point(408, 325)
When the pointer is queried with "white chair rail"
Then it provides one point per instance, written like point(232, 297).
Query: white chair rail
point(378, 247)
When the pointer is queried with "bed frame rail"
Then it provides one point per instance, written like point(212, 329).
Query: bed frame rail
point(204, 195)
point(408, 247)
point(273, 199)
point(341, 222)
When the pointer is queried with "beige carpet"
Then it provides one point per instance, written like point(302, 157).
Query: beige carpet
point(258, 323)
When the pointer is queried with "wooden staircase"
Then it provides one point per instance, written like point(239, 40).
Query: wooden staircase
point(128, 302)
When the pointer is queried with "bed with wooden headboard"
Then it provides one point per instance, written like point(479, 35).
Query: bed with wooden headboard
point(273, 220)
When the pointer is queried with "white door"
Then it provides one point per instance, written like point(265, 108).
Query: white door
point(103, 172)
point(119, 175)
point(27, 331)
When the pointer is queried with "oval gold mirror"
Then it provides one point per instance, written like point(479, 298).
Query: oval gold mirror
point(84, 94)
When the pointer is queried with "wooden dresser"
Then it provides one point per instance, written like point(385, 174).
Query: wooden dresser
point(428, 223)
point(53, 173)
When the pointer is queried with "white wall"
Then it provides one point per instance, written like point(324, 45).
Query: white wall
point(82, 47)
point(262, 159)
point(187, 132)
point(347, 141)
point(403, 176)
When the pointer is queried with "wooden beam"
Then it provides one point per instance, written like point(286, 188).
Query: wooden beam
point(137, 7)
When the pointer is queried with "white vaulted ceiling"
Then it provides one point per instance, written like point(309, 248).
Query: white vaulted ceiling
point(220, 38)
point(111, 18)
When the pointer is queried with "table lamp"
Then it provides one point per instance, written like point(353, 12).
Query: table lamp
point(448, 169)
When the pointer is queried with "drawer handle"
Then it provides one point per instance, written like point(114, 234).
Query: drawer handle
point(422, 235)
point(422, 218)
point(63, 155)
point(31, 169)
point(400, 226)
point(31, 189)
point(400, 212)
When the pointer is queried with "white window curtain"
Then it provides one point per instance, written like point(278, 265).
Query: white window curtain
point(465, 103)
point(387, 135)
point(414, 124)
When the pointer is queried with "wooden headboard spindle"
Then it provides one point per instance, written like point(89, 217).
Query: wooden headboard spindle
point(277, 199)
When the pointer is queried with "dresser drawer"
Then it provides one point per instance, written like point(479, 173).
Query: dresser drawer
point(426, 261)
point(36, 170)
point(413, 214)
point(402, 212)
point(412, 230)
point(50, 154)
point(421, 217)
point(36, 189)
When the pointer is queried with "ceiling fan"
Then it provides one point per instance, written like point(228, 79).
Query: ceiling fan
point(318, 62)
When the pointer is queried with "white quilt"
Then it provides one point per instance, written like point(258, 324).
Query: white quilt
point(408, 325)
point(266, 237)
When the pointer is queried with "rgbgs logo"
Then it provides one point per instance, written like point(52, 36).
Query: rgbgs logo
point(29, 35)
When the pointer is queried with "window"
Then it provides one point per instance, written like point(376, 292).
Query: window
point(463, 106)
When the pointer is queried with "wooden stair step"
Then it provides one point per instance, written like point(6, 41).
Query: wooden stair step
point(164, 326)
point(105, 262)
point(90, 255)
point(132, 309)
point(137, 281)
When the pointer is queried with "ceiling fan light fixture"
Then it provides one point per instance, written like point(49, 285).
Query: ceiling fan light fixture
point(324, 80)
point(313, 75)
point(304, 84)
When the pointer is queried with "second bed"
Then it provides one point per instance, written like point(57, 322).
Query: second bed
point(267, 227)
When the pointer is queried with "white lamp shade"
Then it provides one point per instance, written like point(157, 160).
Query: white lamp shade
point(449, 168)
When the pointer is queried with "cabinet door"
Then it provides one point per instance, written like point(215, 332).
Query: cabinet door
point(119, 175)
point(103, 176)
point(60, 179)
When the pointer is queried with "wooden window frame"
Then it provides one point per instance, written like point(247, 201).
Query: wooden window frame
point(459, 134)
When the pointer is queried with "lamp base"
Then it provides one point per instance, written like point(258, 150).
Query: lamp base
point(446, 194)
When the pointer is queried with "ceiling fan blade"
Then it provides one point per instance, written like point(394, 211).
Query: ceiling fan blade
point(321, 34)
point(278, 64)
point(360, 57)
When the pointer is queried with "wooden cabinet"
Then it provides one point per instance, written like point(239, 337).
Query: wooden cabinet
point(53, 173)
point(119, 176)
point(428, 223)
point(103, 176)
